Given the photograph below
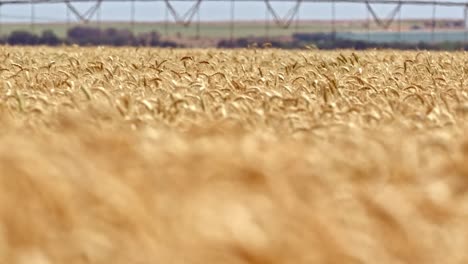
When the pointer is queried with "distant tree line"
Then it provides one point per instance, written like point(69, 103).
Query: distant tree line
point(88, 36)
point(329, 41)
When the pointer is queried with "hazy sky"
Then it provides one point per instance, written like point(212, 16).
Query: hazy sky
point(156, 11)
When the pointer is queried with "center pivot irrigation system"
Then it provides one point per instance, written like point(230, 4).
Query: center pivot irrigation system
point(283, 21)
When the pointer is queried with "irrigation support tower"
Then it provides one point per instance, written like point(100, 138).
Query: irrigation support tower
point(285, 21)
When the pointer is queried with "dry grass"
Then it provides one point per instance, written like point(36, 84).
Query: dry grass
point(249, 156)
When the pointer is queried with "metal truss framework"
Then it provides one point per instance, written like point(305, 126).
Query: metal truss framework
point(88, 14)
point(391, 17)
point(285, 21)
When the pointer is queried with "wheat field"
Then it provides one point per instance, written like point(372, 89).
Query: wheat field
point(232, 156)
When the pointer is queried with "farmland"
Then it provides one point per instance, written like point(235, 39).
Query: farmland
point(348, 29)
point(138, 155)
point(218, 29)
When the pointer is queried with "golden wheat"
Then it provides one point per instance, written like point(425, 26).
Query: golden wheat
point(232, 156)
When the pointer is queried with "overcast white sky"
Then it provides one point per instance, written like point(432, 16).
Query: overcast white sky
point(155, 11)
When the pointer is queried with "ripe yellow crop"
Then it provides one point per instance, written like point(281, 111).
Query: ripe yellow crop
point(125, 155)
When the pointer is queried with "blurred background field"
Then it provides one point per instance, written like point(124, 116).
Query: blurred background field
point(208, 23)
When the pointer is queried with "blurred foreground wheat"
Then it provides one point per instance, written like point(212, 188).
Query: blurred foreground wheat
point(247, 156)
